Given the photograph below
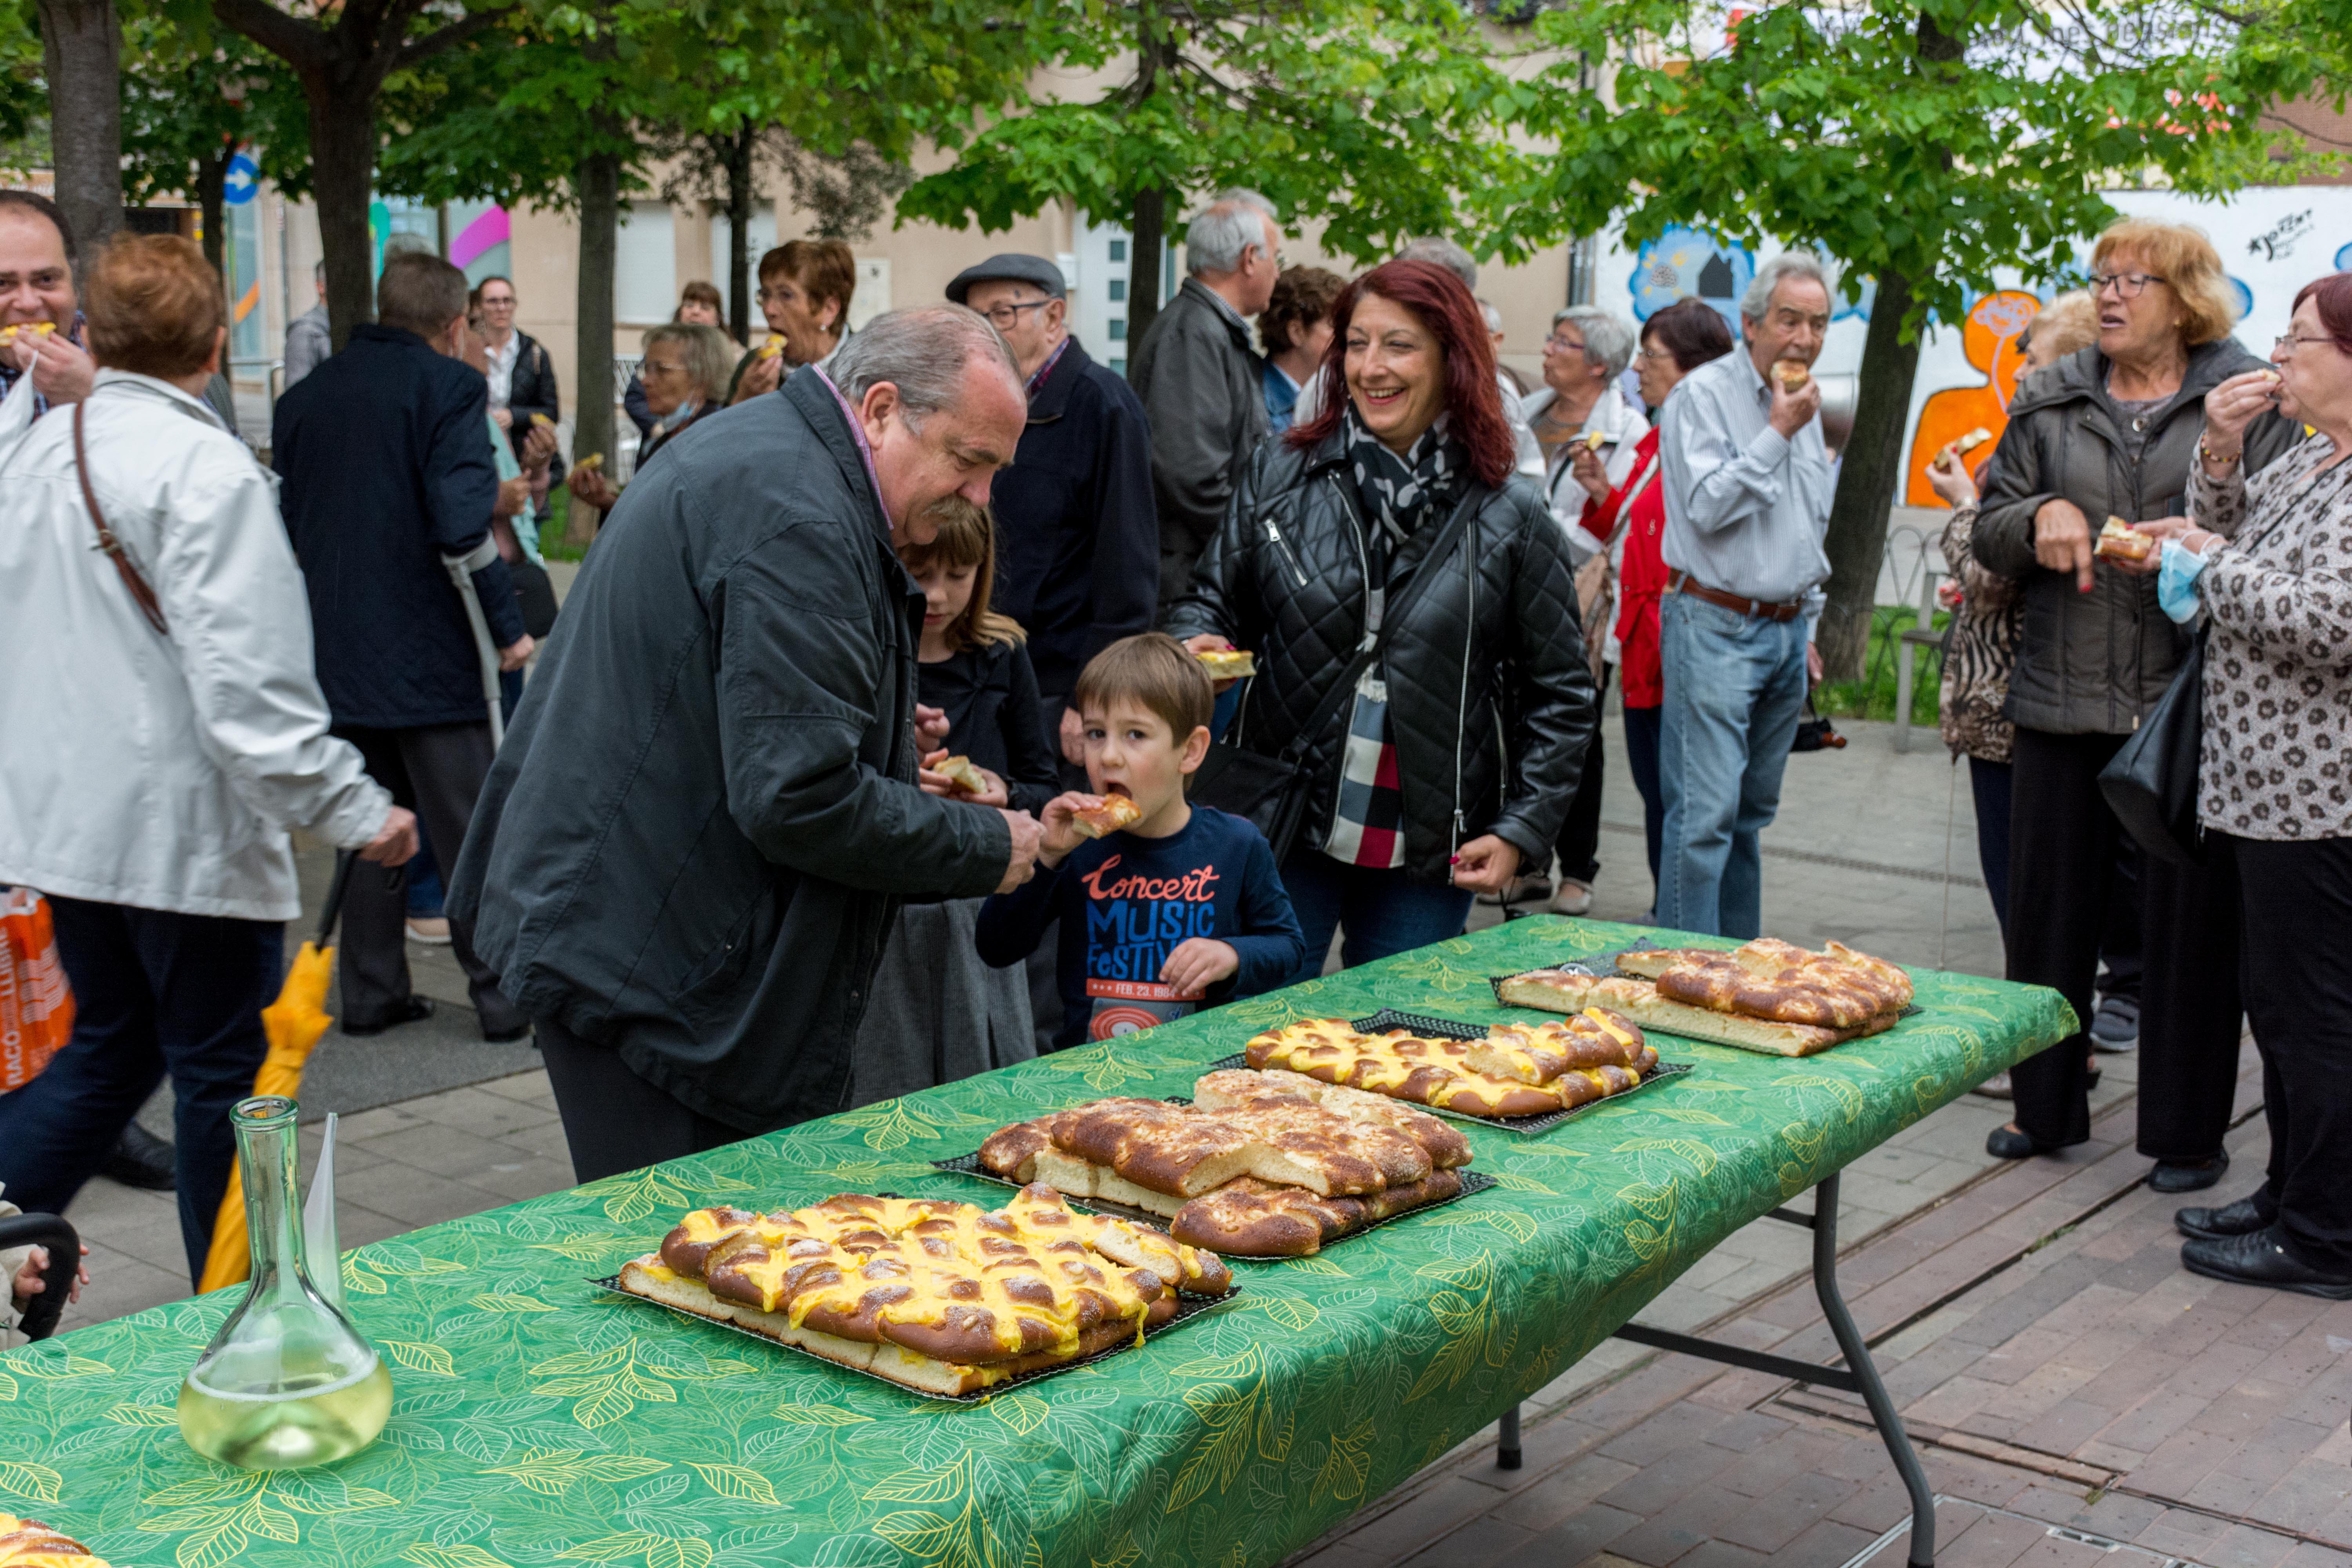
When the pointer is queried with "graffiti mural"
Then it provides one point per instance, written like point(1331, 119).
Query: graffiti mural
point(1686, 263)
point(1989, 339)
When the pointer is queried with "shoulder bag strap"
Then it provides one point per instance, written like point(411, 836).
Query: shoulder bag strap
point(140, 592)
point(1392, 615)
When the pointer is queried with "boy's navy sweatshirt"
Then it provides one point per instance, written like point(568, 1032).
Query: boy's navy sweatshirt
point(1126, 903)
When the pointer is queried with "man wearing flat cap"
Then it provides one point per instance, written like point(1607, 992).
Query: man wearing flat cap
point(1079, 540)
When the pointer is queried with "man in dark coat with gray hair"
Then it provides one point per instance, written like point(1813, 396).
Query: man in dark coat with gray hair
point(706, 814)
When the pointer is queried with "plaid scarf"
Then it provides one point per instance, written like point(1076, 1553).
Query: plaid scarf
point(1400, 495)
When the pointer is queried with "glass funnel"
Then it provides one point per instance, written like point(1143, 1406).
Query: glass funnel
point(287, 1382)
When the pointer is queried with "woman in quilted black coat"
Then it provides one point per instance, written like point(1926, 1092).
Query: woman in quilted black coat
point(1458, 751)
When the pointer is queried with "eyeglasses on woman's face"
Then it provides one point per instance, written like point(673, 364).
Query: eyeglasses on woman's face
point(1649, 355)
point(1555, 344)
point(2289, 343)
point(2127, 285)
point(663, 368)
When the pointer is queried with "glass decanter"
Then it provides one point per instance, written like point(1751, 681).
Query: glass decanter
point(287, 1382)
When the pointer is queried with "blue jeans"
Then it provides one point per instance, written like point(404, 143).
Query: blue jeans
point(153, 992)
point(1384, 913)
point(1734, 691)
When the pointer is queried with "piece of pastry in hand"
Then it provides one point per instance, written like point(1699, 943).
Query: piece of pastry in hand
point(2118, 540)
point(960, 772)
point(1227, 663)
point(1105, 814)
point(1791, 374)
point(1972, 440)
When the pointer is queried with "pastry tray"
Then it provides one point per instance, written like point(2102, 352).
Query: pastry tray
point(1604, 967)
point(969, 1166)
point(1188, 1308)
point(1454, 1030)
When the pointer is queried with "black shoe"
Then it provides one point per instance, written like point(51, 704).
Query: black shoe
point(139, 1158)
point(414, 1010)
point(2002, 1143)
point(2240, 1218)
point(2257, 1258)
point(2188, 1176)
point(507, 1036)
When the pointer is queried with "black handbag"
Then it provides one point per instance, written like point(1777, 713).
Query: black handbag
point(1272, 792)
point(535, 594)
point(2151, 784)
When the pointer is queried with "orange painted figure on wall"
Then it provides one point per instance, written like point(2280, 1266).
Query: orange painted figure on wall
point(1989, 338)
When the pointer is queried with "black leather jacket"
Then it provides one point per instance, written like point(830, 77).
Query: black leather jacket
point(1490, 701)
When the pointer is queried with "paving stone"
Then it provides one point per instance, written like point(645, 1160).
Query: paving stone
point(1664, 1480)
point(1671, 1429)
point(1573, 1538)
point(1552, 1497)
point(1775, 1520)
point(1474, 1545)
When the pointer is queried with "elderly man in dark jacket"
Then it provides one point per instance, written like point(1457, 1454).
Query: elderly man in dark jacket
point(700, 828)
point(385, 453)
point(1080, 567)
point(1202, 385)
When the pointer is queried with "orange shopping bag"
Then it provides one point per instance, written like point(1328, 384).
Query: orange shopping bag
point(36, 1005)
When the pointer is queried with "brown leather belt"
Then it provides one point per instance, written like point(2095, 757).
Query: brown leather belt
point(1680, 583)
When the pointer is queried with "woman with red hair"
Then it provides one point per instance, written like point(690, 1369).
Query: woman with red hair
point(1411, 606)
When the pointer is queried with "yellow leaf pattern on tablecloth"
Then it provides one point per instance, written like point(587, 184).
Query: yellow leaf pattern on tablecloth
point(601, 1430)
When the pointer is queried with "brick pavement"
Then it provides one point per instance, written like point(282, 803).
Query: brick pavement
point(2075, 1396)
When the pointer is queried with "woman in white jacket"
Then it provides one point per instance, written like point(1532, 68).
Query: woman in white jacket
point(161, 729)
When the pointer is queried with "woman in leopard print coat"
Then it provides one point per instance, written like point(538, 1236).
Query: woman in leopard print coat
point(2266, 559)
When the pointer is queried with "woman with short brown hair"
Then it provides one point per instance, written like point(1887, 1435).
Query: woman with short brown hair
point(165, 729)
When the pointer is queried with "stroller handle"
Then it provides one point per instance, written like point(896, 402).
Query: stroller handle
point(65, 1258)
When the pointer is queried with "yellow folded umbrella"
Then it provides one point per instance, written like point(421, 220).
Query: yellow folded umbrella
point(294, 1022)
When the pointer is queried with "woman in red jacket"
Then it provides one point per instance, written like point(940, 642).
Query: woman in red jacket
point(1629, 519)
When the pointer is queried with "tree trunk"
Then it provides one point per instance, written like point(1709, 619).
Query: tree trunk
point(1149, 230)
point(212, 184)
point(598, 187)
point(81, 53)
point(739, 235)
point(1867, 482)
point(342, 177)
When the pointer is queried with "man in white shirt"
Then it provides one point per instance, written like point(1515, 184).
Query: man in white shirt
point(1747, 488)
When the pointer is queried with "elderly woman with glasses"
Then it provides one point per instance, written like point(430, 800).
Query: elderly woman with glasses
point(1584, 424)
point(685, 371)
point(2112, 431)
point(2266, 559)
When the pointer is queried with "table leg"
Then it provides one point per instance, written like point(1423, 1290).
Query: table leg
point(1857, 1376)
point(1507, 1456)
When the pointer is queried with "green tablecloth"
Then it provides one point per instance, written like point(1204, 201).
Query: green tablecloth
point(539, 1420)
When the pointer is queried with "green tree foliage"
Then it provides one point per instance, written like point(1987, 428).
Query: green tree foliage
point(24, 99)
point(1927, 146)
point(1379, 117)
point(189, 102)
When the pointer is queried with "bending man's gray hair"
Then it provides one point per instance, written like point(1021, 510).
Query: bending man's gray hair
point(922, 351)
point(1779, 271)
point(1443, 253)
point(1221, 232)
point(1486, 308)
point(1608, 339)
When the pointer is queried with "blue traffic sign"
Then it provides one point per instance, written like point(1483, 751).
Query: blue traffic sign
point(243, 181)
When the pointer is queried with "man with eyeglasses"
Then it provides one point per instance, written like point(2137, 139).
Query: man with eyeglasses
point(1199, 378)
point(1746, 486)
point(1079, 566)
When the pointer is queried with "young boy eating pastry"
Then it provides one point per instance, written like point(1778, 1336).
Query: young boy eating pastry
point(1181, 906)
